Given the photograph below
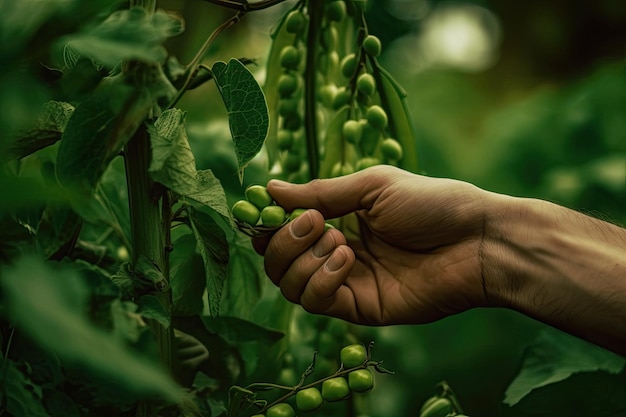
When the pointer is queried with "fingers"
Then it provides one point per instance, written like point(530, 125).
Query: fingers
point(295, 279)
point(290, 242)
point(335, 197)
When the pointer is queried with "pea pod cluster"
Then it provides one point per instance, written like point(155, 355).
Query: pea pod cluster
point(335, 109)
point(443, 404)
point(354, 376)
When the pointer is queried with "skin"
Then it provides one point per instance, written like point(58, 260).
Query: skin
point(432, 247)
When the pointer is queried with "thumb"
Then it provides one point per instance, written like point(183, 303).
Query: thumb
point(335, 197)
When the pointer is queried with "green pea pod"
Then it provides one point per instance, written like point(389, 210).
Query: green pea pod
point(280, 38)
point(334, 147)
point(393, 96)
point(438, 408)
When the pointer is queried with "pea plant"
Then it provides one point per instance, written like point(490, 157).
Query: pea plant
point(127, 285)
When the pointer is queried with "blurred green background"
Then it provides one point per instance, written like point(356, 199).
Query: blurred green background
point(523, 98)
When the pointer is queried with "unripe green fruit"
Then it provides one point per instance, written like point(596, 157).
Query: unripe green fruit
point(272, 216)
point(309, 399)
point(335, 389)
point(391, 149)
point(291, 163)
point(340, 169)
point(295, 213)
point(352, 131)
point(258, 195)
point(348, 65)
point(280, 410)
point(287, 106)
point(366, 163)
point(438, 408)
point(376, 116)
point(341, 98)
point(284, 139)
point(336, 11)
point(327, 95)
point(370, 137)
point(290, 57)
point(258, 415)
point(330, 38)
point(353, 355)
point(293, 121)
point(246, 212)
point(372, 45)
point(295, 22)
point(287, 85)
point(366, 84)
point(361, 380)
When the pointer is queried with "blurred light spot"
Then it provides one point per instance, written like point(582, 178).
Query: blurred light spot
point(463, 37)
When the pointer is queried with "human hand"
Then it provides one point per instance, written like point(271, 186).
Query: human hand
point(417, 259)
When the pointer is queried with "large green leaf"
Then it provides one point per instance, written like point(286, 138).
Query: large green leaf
point(127, 35)
point(244, 286)
point(186, 277)
point(247, 110)
point(213, 248)
point(173, 163)
point(100, 127)
point(48, 304)
point(554, 357)
point(596, 393)
point(210, 193)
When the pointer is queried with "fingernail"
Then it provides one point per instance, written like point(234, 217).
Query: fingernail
point(302, 225)
point(336, 261)
point(278, 183)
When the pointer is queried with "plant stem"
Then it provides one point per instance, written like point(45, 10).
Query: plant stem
point(316, 10)
point(193, 67)
point(244, 6)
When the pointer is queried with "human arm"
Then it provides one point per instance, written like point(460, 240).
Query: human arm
point(431, 247)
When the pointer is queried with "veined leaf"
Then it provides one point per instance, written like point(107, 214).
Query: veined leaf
point(47, 305)
point(210, 193)
point(213, 248)
point(173, 163)
point(128, 35)
point(46, 129)
point(247, 110)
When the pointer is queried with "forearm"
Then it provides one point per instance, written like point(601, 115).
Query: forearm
point(558, 266)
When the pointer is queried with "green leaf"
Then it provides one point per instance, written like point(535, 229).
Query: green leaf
point(98, 130)
point(213, 248)
point(244, 286)
point(597, 394)
point(173, 163)
point(128, 35)
point(247, 110)
point(57, 231)
point(186, 277)
point(556, 356)
point(151, 308)
point(45, 131)
point(47, 305)
point(18, 392)
point(210, 193)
